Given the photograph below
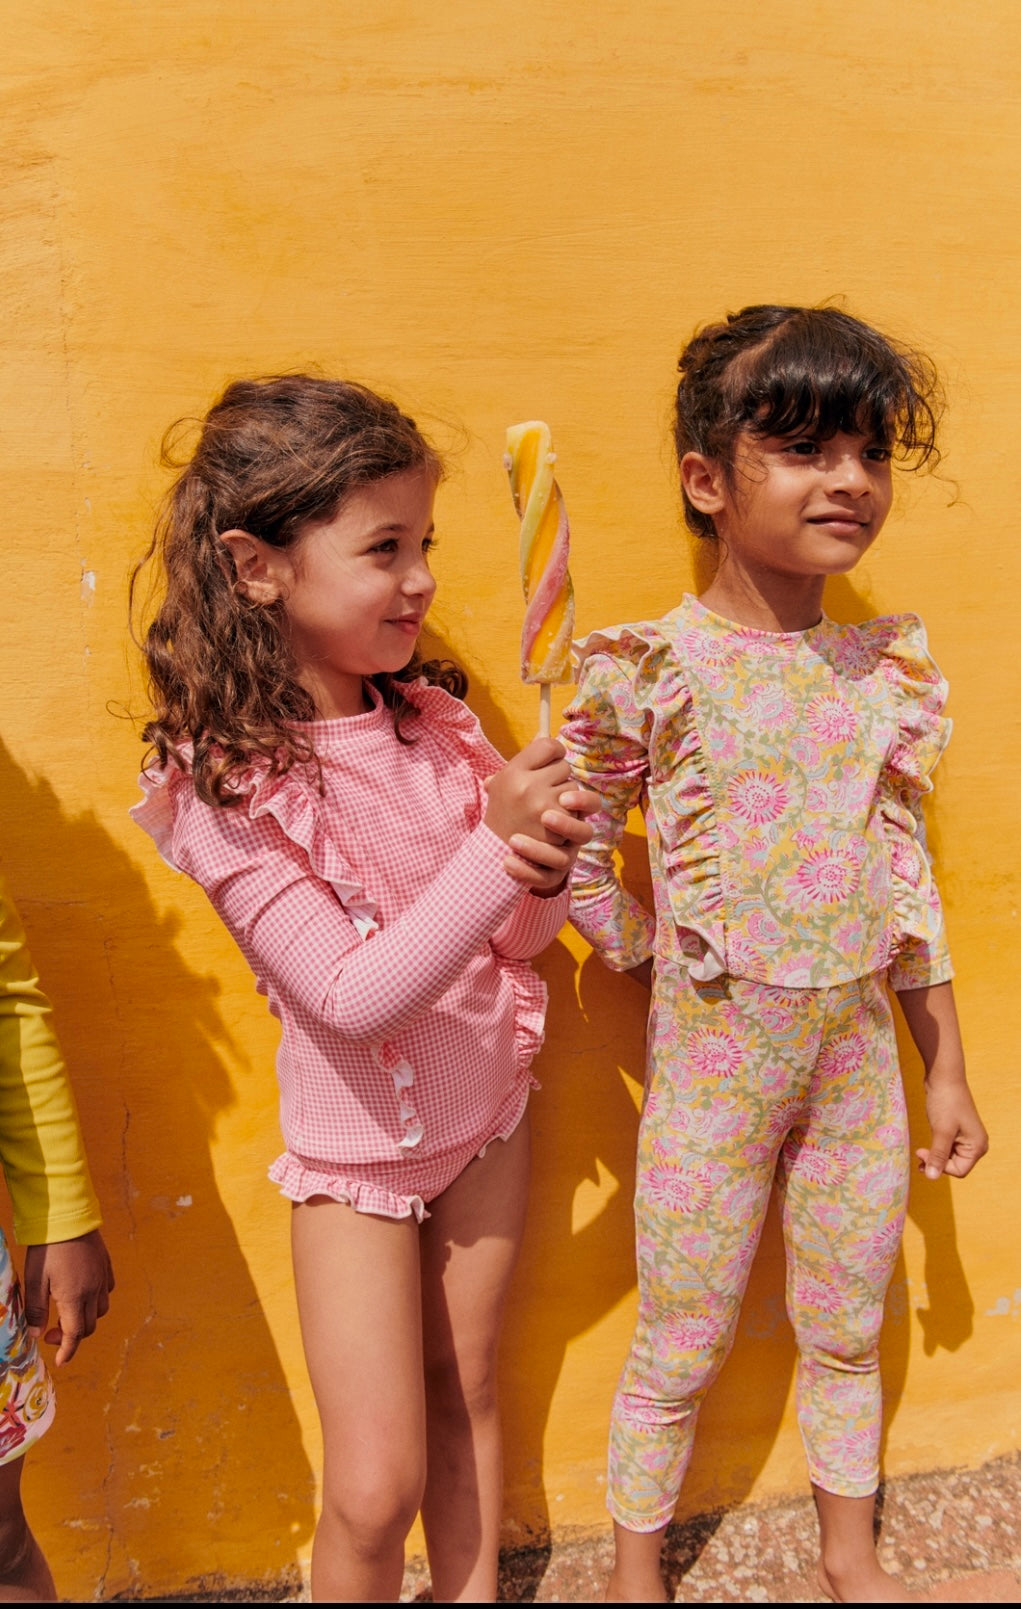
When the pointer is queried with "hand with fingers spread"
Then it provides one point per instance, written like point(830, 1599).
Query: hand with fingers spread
point(77, 1277)
point(539, 811)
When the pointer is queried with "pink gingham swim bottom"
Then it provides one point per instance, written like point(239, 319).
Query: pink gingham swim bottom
point(397, 1189)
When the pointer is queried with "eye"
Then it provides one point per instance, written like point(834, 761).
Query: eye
point(388, 545)
point(805, 448)
point(878, 455)
point(430, 544)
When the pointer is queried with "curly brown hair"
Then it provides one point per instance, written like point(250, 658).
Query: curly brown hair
point(272, 456)
point(778, 371)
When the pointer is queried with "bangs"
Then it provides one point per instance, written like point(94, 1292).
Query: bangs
point(821, 372)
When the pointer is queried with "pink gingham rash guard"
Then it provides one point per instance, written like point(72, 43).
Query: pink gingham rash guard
point(389, 940)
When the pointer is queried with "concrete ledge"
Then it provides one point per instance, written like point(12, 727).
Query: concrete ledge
point(952, 1534)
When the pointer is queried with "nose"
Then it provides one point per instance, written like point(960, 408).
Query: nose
point(419, 581)
point(848, 472)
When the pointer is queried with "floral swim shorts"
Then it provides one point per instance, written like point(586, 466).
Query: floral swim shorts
point(26, 1390)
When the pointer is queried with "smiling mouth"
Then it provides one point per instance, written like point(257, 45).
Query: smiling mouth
point(842, 522)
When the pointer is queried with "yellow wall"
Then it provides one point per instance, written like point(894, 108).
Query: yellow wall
point(494, 213)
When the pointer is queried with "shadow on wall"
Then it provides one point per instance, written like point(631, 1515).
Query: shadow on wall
point(578, 1260)
point(201, 1477)
point(584, 1126)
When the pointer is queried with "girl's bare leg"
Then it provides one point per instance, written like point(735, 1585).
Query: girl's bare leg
point(636, 1576)
point(849, 1570)
point(24, 1574)
point(469, 1247)
point(357, 1279)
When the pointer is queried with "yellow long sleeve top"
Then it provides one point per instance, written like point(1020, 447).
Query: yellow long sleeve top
point(41, 1149)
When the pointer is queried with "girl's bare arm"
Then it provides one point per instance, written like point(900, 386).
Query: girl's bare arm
point(959, 1138)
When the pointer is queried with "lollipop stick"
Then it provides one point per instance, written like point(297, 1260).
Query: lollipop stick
point(544, 709)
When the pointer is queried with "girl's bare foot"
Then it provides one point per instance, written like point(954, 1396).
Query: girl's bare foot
point(862, 1583)
point(636, 1576)
point(849, 1570)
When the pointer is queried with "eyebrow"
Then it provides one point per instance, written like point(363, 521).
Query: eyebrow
point(396, 526)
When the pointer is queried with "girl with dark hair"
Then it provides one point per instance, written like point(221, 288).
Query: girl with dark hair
point(387, 877)
point(781, 761)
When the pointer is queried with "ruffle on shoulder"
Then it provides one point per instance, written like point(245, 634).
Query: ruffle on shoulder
point(628, 644)
point(453, 725)
point(290, 798)
point(919, 693)
point(155, 812)
point(652, 655)
point(297, 809)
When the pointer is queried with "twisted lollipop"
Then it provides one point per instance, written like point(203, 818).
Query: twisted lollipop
point(545, 543)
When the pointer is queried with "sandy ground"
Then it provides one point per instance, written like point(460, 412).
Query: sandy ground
point(953, 1536)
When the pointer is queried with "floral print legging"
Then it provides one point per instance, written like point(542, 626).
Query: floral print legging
point(749, 1083)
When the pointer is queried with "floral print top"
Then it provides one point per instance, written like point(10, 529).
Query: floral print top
point(781, 776)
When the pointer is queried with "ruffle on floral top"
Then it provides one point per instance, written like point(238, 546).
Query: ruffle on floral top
point(781, 776)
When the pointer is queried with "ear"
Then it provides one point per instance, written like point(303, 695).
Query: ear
point(704, 482)
point(258, 569)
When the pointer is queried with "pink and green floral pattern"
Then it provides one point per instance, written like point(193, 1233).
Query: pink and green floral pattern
point(748, 1082)
point(781, 775)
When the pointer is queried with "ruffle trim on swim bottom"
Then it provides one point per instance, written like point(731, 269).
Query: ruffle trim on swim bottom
point(299, 1178)
point(298, 1181)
